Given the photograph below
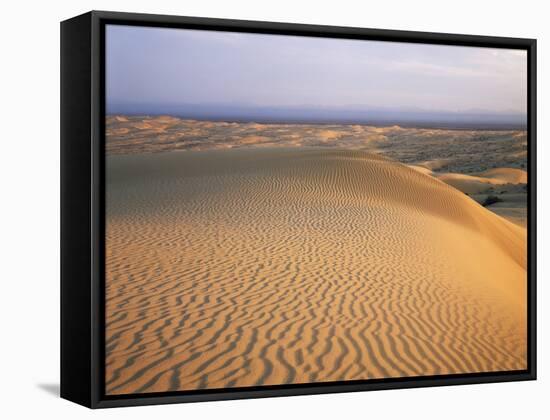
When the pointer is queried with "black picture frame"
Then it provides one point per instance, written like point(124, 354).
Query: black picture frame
point(83, 204)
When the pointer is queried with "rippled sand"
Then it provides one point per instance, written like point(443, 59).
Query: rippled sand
point(271, 266)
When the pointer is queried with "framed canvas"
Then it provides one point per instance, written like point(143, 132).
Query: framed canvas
point(254, 209)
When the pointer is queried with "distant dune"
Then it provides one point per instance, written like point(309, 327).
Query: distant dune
point(506, 186)
point(470, 184)
point(232, 268)
point(476, 183)
point(138, 134)
point(506, 175)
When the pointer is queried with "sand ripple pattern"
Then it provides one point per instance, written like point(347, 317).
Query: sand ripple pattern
point(273, 266)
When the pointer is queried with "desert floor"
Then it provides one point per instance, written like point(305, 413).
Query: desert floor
point(259, 266)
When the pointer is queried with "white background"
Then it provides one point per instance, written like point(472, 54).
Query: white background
point(29, 275)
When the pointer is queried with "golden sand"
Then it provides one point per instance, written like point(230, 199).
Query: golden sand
point(473, 184)
point(251, 267)
point(476, 183)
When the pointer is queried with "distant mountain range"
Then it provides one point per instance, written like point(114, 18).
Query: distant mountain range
point(354, 114)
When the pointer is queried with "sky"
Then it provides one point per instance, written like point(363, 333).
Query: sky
point(158, 70)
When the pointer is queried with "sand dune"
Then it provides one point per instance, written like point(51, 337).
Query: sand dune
point(473, 184)
point(509, 185)
point(422, 170)
point(470, 184)
point(268, 266)
point(452, 150)
point(506, 175)
point(476, 183)
point(434, 164)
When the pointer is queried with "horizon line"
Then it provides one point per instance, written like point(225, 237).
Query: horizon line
point(425, 124)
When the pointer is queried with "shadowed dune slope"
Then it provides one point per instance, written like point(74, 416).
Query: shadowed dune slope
point(269, 266)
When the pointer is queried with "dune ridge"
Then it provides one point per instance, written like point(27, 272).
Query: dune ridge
point(272, 266)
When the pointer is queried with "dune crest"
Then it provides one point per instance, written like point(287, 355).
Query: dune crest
point(232, 268)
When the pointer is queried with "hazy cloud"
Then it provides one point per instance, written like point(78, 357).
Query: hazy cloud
point(174, 66)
